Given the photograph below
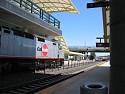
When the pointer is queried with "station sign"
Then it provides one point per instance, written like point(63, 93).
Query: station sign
point(98, 4)
point(102, 44)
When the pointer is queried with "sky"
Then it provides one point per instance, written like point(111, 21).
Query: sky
point(83, 28)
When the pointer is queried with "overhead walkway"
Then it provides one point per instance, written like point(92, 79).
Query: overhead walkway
point(28, 16)
point(88, 49)
point(34, 15)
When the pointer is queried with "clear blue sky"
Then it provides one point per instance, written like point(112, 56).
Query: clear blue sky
point(81, 29)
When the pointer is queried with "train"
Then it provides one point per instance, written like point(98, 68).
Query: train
point(23, 51)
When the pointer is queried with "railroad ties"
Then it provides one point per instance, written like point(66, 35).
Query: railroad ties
point(35, 85)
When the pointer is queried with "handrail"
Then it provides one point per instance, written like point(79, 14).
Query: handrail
point(31, 7)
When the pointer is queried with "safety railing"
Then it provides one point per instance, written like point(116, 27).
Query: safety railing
point(31, 7)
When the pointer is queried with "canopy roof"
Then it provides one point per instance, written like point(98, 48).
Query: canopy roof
point(56, 5)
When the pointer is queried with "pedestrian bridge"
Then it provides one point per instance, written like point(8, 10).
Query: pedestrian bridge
point(88, 49)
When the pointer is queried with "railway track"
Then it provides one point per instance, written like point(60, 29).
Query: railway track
point(34, 85)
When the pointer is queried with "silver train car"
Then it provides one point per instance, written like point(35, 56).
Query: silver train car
point(23, 51)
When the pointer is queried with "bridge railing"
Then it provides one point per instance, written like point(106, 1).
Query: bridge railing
point(37, 11)
point(88, 48)
point(82, 47)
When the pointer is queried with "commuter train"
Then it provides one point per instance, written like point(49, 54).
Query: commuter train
point(22, 51)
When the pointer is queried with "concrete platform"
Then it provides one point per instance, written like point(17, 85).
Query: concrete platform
point(98, 74)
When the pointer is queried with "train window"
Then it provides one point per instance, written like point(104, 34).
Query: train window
point(60, 47)
point(54, 43)
point(6, 31)
point(41, 39)
point(30, 36)
point(18, 33)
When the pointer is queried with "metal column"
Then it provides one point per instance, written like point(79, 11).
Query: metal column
point(117, 42)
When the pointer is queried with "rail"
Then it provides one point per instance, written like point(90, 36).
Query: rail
point(32, 86)
point(37, 11)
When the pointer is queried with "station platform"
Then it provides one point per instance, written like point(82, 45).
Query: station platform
point(99, 74)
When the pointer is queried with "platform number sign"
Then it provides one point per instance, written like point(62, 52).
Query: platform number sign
point(102, 44)
point(44, 50)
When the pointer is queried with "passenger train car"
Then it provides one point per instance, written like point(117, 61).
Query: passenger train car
point(24, 51)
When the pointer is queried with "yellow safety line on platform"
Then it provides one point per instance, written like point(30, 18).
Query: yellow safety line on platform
point(56, 5)
point(105, 64)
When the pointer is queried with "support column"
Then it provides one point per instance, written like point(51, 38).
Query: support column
point(117, 43)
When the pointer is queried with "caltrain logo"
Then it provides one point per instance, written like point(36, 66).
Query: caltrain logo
point(44, 50)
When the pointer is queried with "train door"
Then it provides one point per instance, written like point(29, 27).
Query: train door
point(61, 51)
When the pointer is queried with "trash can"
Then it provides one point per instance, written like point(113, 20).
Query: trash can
point(93, 88)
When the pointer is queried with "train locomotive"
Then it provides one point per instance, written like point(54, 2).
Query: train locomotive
point(22, 51)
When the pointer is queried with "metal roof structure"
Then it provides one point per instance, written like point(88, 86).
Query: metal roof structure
point(56, 6)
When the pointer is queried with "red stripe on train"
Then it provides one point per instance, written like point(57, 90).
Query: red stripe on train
point(36, 58)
